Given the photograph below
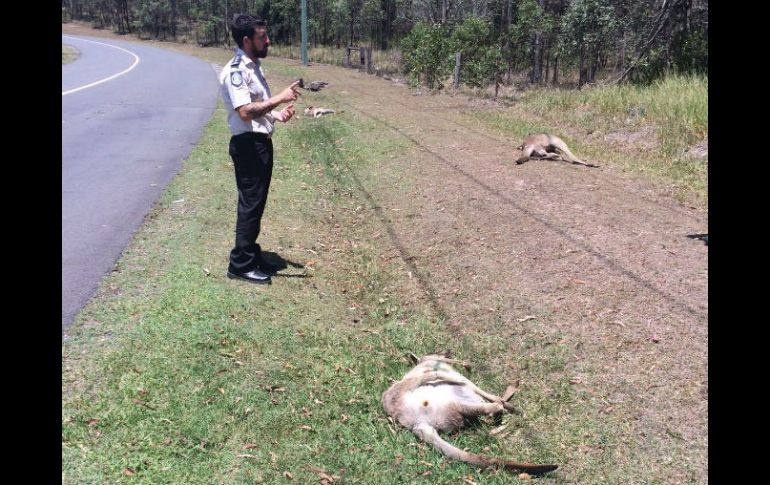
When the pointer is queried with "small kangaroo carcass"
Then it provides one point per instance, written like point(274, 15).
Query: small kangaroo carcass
point(316, 112)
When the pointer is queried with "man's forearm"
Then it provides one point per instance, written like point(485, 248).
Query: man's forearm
point(259, 109)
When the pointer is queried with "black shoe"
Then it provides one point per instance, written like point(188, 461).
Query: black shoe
point(253, 276)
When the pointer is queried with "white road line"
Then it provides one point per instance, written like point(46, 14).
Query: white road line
point(136, 61)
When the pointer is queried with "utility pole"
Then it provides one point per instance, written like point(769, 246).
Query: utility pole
point(304, 32)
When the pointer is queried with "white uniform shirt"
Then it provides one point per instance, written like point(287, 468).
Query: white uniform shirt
point(242, 82)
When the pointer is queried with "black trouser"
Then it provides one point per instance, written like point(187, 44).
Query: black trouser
point(252, 155)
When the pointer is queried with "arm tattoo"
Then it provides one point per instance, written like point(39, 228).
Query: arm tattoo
point(258, 109)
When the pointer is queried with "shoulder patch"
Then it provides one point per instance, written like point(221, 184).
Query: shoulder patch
point(236, 79)
point(236, 61)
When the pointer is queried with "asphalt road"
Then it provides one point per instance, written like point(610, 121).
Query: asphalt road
point(130, 115)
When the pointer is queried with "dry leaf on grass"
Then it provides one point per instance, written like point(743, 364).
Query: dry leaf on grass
point(325, 477)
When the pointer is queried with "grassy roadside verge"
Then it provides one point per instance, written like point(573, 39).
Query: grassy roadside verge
point(174, 374)
point(68, 54)
point(659, 131)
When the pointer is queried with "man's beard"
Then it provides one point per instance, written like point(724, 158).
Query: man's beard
point(260, 54)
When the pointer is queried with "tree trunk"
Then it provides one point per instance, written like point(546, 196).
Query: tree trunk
point(389, 9)
point(534, 77)
point(351, 30)
point(174, 16)
point(226, 21)
point(507, 43)
point(621, 62)
point(583, 70)
point(660, 22)
point(536, 64)
point(555, 79)
point(128, 16)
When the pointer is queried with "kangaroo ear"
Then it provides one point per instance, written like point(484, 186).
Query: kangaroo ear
point(520, 147)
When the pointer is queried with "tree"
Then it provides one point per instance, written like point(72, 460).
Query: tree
point(643, 39)
point(480, 53)
point(587, 28)
point(427, 54)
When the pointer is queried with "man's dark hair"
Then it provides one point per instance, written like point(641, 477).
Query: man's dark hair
point(244, 25)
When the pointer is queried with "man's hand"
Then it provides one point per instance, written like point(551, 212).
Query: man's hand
point(289, 94)
point(250, 111)
point(285, 114)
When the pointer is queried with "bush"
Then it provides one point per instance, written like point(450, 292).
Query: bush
point(481, 57)
point(427, 54)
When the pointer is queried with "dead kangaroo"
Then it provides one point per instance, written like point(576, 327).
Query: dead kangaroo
point(433, 397)
point(547, 147)
point(316, 112)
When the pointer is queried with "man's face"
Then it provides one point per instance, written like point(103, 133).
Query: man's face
point(256, 47)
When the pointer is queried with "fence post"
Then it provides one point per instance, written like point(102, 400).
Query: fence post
point(347, 57)
point(456, 82)
point(369, 60)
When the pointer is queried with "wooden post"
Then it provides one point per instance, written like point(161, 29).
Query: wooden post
point(362, 55)
point(369, 59)
point(347, 57)
point(456, 82)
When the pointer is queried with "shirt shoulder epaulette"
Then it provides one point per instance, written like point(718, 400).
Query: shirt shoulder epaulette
point(236, 61)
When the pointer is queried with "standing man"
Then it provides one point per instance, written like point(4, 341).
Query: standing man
point(251, 120)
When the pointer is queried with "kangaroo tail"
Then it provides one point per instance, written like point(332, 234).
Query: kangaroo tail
point(558, 143)
point(429, 434)
point(570, 156)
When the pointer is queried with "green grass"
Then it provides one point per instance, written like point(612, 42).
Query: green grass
point(677, 105)
point(173, 370)
point(654, 127)
point(68, 54)
point(387, 61)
